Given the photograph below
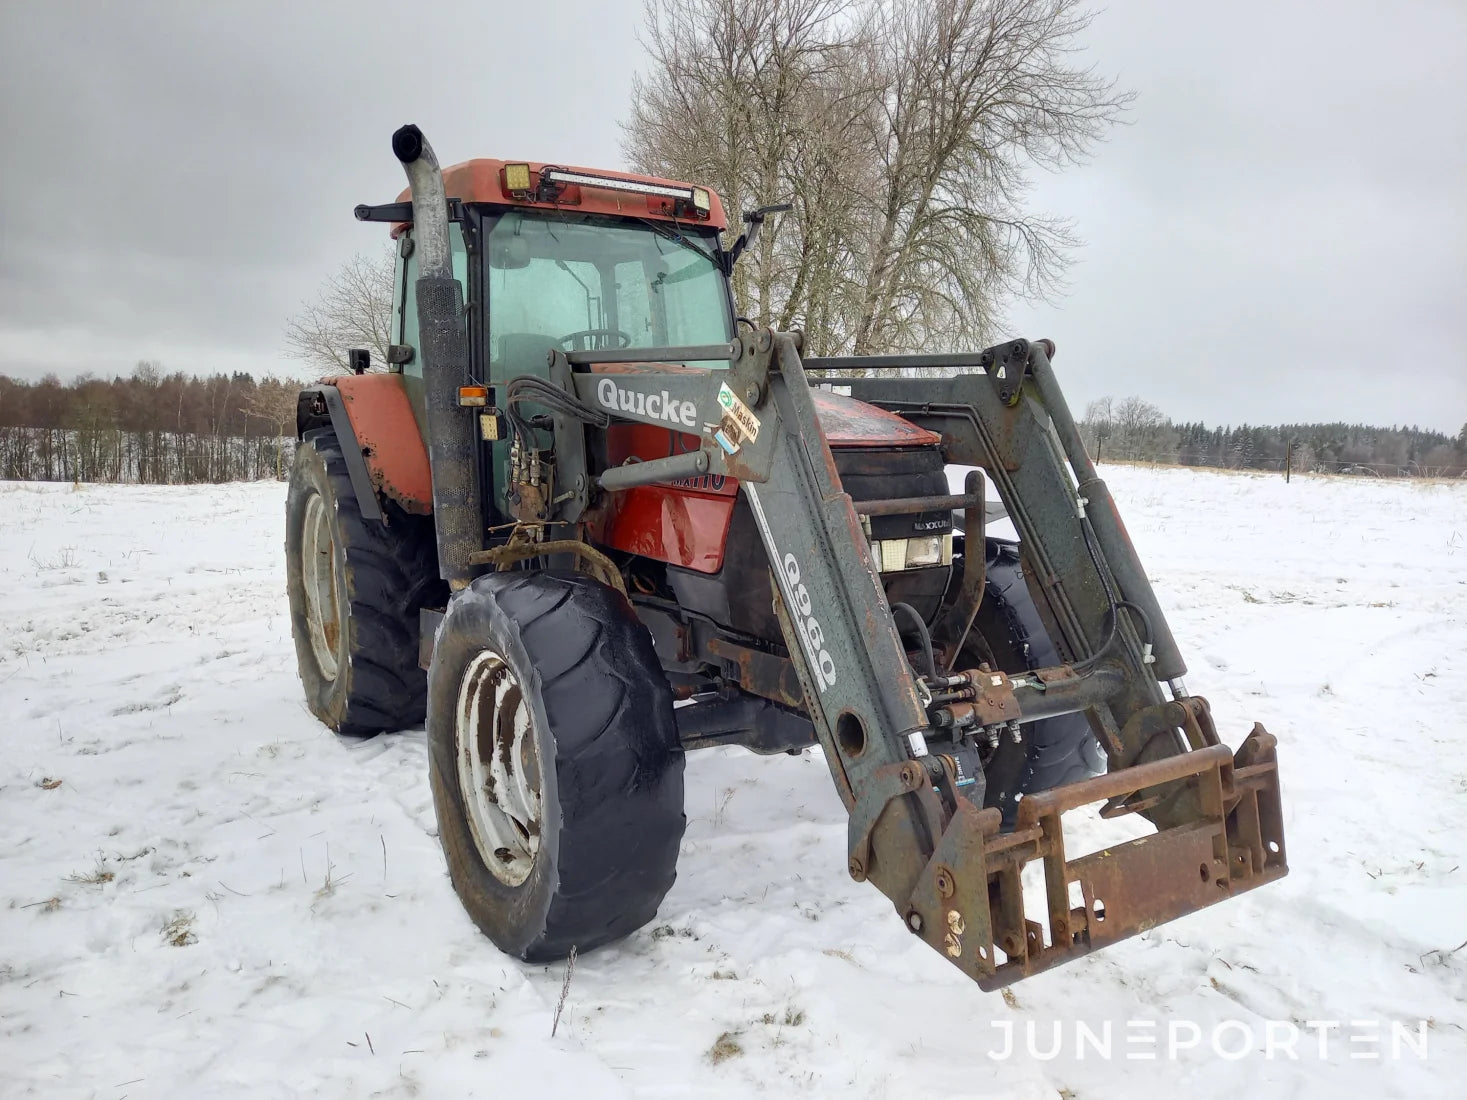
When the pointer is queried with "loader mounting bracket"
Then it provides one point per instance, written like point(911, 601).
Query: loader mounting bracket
point(968, 903)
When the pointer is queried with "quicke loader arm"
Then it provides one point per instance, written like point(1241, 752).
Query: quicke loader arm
point(947, 866)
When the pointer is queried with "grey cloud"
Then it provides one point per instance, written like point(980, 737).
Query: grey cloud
point(1278, 233)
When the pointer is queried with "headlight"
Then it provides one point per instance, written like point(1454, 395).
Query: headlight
point(926, 551)
point(516, 178)
point(896, 555)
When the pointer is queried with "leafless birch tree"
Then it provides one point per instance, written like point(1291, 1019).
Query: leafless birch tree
point(904, 133)
point(352, 309)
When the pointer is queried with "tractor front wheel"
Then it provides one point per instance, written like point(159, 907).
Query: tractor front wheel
point(554, 762)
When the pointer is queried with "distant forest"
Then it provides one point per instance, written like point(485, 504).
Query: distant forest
point(151, 427)
point(1133, 430)
point(175, 428)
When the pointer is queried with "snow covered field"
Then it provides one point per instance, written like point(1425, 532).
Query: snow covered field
point(204, 893)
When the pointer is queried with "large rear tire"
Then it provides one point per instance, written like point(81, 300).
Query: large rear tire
point(355, 587)
point(554, 762)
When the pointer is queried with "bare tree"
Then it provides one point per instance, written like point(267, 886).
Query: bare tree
point(1098, 424)
point(903, 134)
point(974, 92)
point(1142, 431)
point(274, 401)
point(352, 309)
point(752, 97)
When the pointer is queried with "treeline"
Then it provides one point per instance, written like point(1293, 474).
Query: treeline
point(149, 427)
point(176, 428)
point(1136, 431)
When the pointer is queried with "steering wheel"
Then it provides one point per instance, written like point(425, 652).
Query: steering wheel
point(594, 339)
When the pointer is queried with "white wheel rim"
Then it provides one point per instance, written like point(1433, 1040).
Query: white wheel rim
point(318, 577)
point(498, 768)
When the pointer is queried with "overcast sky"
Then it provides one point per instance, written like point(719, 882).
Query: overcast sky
point(1278, 234)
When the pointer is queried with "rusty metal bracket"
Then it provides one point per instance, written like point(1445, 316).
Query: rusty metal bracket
point(1006, 366)
point(968, 903)
point(882, 787)
point(951, 906)
point(590, 560)
point(764, 674)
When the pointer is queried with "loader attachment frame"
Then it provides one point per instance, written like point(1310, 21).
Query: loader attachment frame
point(948, 867)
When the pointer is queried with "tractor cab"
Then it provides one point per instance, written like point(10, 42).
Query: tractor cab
point(580, 261)
point(569, 259)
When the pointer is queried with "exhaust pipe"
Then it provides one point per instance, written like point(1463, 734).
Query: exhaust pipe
point(457, 512)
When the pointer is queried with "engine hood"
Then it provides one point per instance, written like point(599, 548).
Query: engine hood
point(852, 423)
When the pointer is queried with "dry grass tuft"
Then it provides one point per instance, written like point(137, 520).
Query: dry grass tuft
point(97, 876)
point(726, 1046)
point(179, 930)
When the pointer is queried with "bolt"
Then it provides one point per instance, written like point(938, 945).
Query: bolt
point(944, 882)
point(1016, 733)
point(751, 394)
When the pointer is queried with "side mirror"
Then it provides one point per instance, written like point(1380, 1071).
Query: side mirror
point(510, 253)
point(359, 360)
point(754, 219)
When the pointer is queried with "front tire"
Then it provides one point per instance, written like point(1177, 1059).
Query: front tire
point(1056, 751)
point(355, 587)
point(554, 762)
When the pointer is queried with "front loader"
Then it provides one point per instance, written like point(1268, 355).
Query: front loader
point(589, 520)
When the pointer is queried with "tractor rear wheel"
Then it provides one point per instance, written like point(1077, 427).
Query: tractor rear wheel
point(554, 762)
point(355, 588)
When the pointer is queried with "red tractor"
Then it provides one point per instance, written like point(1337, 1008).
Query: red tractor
point(590, 519)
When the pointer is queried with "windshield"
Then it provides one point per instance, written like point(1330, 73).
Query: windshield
point(582, 282)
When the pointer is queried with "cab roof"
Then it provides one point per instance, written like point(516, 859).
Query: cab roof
point(483, 180)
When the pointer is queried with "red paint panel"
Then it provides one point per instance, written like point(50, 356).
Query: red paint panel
point(387, 433)
point(667, 524)
point(682, 524)
point(482, 180)
point(851, 423)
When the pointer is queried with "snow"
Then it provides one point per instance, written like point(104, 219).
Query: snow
point(219, 898)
